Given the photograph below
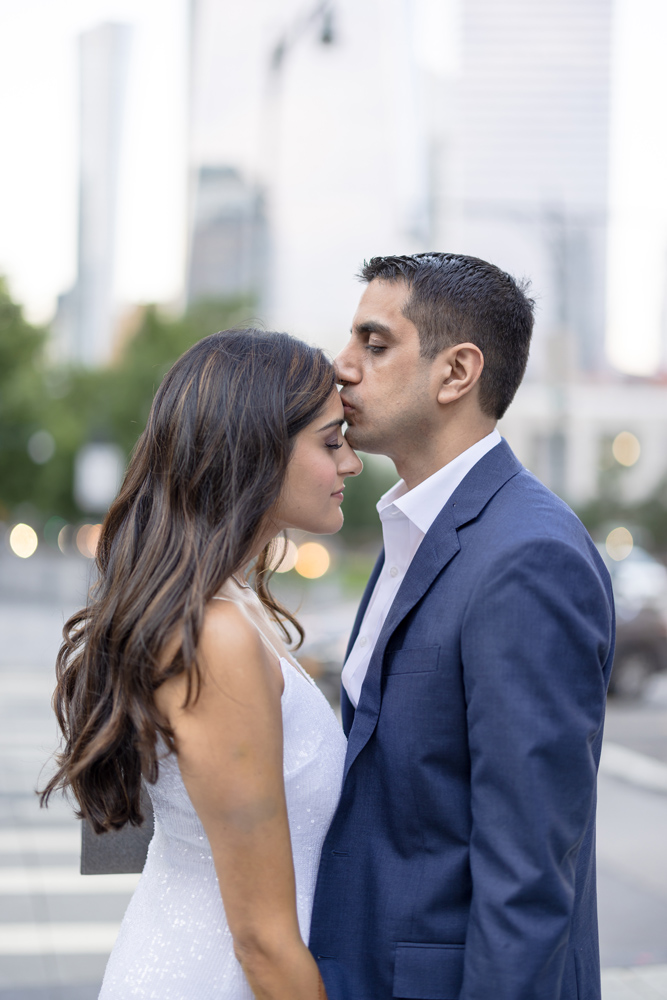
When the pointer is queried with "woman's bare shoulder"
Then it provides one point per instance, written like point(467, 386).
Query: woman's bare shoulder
point(228, 635)
point(234, 661)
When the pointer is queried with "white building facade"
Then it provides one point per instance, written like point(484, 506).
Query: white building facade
point(564, 435)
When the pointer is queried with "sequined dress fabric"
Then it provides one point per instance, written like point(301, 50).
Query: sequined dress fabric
point(174, 942)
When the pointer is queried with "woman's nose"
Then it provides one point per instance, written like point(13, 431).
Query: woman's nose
point(351, 464)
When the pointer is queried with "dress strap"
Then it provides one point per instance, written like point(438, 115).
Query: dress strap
point(266, 640)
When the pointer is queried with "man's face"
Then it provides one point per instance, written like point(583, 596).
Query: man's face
point(387, 392)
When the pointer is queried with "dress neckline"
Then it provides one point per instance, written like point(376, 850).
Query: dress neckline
point(293, 662)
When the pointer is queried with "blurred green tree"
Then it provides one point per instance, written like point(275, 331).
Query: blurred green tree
point(362, 524)
point(73, 406)
point(646, 520)
point(112, 403)
point(22, 369)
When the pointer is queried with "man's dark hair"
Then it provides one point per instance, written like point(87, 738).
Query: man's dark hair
point(456, 299)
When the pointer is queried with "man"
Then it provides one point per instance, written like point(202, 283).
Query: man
point(460, 862)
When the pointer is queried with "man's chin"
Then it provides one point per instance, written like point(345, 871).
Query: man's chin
point(362, 442)
point(353, 437)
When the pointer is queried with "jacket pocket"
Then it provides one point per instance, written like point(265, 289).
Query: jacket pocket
point(420, 660)
point(428, 971)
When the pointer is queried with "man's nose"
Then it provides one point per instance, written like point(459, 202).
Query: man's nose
point(346, 370)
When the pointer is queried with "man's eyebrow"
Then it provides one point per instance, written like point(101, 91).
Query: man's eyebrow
point(332, 423)
point(372, 326)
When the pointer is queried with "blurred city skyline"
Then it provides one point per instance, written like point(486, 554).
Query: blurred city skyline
point(235, 122)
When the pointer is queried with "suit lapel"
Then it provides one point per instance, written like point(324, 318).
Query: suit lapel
point(346, 711)
point(484, 480)
point(433, 554)
point(437, 549)
point(346, 707)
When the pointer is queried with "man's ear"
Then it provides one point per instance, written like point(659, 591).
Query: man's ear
point(460, 368)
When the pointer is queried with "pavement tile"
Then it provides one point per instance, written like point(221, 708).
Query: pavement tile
point(640, 983)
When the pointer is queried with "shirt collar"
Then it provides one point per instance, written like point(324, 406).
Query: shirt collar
point(422, 504)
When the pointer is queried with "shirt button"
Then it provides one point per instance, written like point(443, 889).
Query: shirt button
point(393, 571)
point(363, 640)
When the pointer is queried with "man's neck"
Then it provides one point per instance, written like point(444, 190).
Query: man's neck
point(429, 456)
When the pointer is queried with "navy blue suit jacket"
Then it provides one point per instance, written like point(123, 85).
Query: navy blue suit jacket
point(460, 862)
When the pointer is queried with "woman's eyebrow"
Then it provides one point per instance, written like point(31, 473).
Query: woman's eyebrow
point(332, 423)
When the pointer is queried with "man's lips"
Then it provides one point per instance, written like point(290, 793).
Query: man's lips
point(347, 406)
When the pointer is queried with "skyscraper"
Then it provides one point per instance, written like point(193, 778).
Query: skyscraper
point(318, 105)
point(228, 243)
point(530, 151)
point(86, 314)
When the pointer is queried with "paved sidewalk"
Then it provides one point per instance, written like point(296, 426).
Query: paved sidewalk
point(645, 982)
point(57, 927)
point(632, 859)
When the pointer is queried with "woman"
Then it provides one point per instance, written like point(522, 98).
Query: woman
point(178, 671)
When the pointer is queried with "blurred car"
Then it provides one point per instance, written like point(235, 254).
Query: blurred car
point(640, 593)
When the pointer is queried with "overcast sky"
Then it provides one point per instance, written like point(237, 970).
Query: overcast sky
point(38, 165)
point(38, 170)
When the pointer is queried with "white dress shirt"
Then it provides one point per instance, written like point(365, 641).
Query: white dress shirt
point(406, 516)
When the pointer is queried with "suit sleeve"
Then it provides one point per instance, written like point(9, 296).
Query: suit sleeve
point(536, 636)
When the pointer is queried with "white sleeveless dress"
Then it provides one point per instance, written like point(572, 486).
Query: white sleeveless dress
point(174, 942)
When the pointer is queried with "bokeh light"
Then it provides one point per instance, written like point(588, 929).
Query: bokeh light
point(288, 560)
point(626, 448)
point(41, 447)
point(87, 538)
point(619, 544)
point(52, 530)
point(65, 538)
point(312, 560)
point(23, 541)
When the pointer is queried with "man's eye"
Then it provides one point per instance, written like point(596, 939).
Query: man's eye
point(375, 348)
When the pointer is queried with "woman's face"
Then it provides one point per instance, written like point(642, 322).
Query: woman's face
point(321, 461)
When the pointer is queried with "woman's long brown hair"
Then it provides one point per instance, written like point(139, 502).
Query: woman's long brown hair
point(204, 474)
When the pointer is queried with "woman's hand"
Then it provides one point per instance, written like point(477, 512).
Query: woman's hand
point(230, 754)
